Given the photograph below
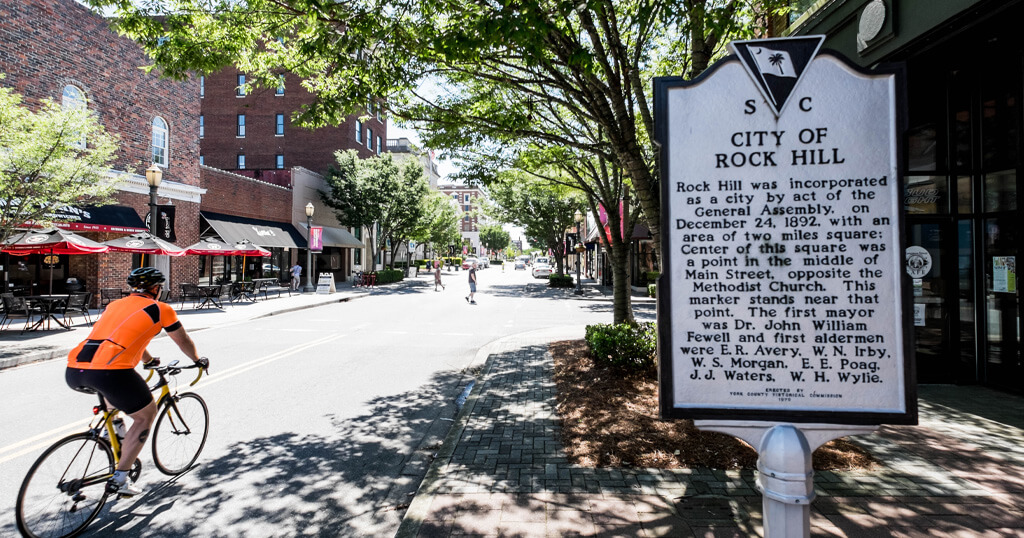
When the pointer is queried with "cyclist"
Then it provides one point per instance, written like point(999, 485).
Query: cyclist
point(106, 360)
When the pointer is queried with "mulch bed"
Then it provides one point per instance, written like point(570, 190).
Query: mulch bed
point(609, 418)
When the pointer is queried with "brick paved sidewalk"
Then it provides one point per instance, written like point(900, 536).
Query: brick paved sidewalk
point(501, 472)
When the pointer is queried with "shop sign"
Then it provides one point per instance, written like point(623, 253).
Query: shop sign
point(316, 238)
point(782, 293)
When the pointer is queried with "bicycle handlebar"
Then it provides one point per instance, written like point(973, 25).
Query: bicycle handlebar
point(173, 369)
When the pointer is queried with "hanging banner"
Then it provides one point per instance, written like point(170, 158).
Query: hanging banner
point(316, 238)
point(164, 223)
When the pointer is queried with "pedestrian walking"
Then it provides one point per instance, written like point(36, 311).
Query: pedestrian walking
point(471, 299)
point(296, 275)
point(437, 275)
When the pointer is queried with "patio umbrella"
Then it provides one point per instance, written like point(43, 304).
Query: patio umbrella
point(246, 248)
point(144, 243)
point(51, 241)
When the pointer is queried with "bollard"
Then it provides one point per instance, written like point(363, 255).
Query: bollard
point(786, 480)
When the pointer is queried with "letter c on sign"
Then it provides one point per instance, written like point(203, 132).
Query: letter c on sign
point(805, 104)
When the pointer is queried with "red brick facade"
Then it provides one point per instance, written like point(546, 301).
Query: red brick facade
point(46, 45)
point(232, 194)
point(310, 149)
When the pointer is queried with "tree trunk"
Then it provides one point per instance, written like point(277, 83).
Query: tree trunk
point(622, 308)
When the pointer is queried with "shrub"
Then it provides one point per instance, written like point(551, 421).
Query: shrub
point(560, 281)
point(387, 276)
point(652, 290)
point(650, 277)
point(630, 346)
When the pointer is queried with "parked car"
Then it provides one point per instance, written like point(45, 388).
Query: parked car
point(540, 270)
point(520, 264)
point(544, 259)
point(484, 262)
point(468, 262)
point(525, 259)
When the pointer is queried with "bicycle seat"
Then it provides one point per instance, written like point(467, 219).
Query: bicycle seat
point(86, 390)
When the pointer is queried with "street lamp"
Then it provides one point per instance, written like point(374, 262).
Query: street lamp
point(309, 246)
point(153, 177)
point(579, 219)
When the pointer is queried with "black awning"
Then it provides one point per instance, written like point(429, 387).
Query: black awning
point(104, 218)
point(259, 232)
point(338, 237)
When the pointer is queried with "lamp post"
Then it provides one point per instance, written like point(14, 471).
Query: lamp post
point(309, 246)
point(153, 177)
point(579, 219)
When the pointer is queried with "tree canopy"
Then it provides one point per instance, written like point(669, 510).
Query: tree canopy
point(486, 67)
point(377, 190)
point(54, 157)
point(493, 237)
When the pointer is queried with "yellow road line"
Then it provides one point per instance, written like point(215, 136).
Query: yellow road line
point(39, 442)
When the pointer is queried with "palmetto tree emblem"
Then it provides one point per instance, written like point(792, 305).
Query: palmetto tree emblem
point(776, 60)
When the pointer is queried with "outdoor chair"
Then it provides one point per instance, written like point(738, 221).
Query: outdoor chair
point(225, 296)
point(189, 292)
point(77, 303)
point(108, 295)
point(17, 307)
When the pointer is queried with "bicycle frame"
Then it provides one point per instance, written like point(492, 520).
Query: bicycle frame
point(106, 416)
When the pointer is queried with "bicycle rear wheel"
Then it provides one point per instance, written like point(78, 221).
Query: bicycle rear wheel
point(65, 488)
point(180, 433)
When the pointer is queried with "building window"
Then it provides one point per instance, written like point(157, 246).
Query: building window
point(279, 125)
point(202, 127)
point(279, 161)
point(280, 86)
point(359, 131)
point(202, 159)
point(159, 141)
point(202, 86)
point(369, 138)
point(73, 98)
point(240, 87)
point(240, 164)
point(378, 145)
point(241, 126)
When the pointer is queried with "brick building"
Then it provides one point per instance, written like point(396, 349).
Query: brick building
point(58, 49)
point(467, 200)
point(247, 130)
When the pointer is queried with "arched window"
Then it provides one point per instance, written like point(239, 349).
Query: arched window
point(73, 98)
point(159, 141)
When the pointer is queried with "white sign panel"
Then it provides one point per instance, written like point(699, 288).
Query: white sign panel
point(782, 242)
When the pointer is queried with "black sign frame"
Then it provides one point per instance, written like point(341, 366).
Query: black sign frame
point(661, 88)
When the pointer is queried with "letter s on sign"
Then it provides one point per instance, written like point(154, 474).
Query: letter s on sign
point(750, 107)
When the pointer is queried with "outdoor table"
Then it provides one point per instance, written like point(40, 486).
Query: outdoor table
point(210, 295)
point(261, 285)
point(48, 304)
point(243, 290)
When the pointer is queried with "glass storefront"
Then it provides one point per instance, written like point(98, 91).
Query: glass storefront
point(961, 167)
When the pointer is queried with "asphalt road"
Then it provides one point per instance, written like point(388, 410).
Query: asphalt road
point(323, 421)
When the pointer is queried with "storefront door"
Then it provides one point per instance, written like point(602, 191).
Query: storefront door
point(933, 279)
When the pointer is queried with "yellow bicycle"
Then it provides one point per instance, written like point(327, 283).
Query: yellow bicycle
point(65, 488)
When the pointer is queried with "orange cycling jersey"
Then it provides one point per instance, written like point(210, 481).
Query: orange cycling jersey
point(122, 333)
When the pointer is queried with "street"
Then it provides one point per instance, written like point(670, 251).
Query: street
point(323, 421)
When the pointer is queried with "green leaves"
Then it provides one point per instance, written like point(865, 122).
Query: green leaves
point(49, 159)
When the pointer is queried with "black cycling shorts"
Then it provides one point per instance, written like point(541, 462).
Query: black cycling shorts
point(124, 389)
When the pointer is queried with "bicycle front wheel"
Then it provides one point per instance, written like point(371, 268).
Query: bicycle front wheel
point(65, 488)
point(180, 433)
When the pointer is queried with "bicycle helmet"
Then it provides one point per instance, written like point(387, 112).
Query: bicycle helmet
point(145, 277)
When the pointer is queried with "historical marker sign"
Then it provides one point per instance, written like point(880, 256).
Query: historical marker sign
point(781, 295)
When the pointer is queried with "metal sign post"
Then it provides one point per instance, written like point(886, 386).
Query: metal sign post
point(781, 300)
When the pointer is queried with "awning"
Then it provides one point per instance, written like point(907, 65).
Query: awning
point(104, 218)
point(338, 237)
point(263, 233)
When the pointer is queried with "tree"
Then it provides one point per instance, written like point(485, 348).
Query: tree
point(494, 237)
point(439, 223)
point(44, 163)
point(594, 57)
point(544, 210)
point(364, 192)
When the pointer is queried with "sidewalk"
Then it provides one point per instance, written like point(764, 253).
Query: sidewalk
point(16, 348)
point(501, 472)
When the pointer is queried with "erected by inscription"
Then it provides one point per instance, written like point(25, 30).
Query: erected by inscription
point(782, 246)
